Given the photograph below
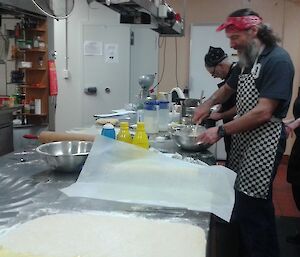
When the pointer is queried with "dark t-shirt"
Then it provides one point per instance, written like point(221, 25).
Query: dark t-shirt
point(227, 105)
point(275, 80)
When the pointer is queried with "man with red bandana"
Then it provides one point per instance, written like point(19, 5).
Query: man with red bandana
point(263, 89)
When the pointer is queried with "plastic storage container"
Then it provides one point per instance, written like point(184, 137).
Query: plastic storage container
point(151, 116)
point(124, 134)
point(164, 116)
point(108, 130)
point(140, 138)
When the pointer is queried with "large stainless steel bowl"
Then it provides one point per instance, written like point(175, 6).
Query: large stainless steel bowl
point(65, 156)
point(186, 138)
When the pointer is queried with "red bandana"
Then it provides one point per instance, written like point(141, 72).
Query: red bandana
point(240, 23)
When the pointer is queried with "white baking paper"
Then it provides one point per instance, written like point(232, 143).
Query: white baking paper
point(122, 172)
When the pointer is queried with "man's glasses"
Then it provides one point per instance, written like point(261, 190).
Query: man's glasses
point(213, 74)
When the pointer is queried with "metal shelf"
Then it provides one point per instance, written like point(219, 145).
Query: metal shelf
point(33, 87)
point(33, 114)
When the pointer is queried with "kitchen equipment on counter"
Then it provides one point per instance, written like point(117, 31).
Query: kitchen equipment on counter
point(108, 130)
point(164, 115)
point(151, 116)
point(124, 134)
point(65, 156)
point(188, 107)
point(140, 137)
point(176, 94)
point(185, 137)
point(145, 81)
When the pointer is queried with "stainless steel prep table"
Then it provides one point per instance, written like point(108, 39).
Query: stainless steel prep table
point(29, 189)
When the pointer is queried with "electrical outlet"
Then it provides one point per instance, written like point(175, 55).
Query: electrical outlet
point(65, 74)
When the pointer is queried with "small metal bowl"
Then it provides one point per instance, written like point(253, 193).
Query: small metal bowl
point(186, 138)
point(65, 156)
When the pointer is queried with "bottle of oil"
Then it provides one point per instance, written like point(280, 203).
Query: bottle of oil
point(140, 138)
point(124, 134)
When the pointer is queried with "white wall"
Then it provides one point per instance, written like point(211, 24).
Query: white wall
point(69, 102)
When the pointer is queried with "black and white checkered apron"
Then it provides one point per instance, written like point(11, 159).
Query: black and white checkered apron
point(253, 152)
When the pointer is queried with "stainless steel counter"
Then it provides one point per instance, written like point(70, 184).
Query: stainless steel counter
point(169, 146)
point(29, 189)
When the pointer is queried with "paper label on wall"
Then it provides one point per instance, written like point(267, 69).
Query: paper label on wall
point(93, 48)
point(111, 53)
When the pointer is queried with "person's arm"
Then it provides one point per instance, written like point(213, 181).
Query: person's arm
point(218, 97)
point(295, 124)
point(229, 114)
point(291, 126)
point(259, 115)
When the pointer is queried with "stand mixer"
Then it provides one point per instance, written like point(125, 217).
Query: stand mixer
point(145, 81)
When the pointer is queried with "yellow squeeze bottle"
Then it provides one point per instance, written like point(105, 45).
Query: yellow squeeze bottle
point(124, 134)
point(140, 138)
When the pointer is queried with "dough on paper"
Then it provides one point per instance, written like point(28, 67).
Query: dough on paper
point(95, 235)
point(103, 121)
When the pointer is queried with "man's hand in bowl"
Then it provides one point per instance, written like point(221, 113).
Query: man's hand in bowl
point(201, 113)
point(209, 136)
point(216, 116)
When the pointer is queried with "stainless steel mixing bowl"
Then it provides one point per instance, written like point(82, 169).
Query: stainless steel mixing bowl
point(186, 138)
point(65, 156)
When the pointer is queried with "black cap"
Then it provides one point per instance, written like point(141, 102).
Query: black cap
point(214, 56)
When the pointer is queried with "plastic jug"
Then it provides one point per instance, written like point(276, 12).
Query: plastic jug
point(124, 134)
point(151, 116)
point(164, 117)
point(140, 138)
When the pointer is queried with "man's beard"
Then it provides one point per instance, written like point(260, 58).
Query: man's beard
point(248, 55)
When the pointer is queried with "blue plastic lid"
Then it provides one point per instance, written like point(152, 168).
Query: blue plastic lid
point(108, 131)
point(163, 104)
point(151, 105)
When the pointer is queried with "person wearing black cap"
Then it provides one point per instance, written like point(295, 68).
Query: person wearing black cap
point(218, 65)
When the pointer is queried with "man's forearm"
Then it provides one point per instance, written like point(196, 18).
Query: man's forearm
point(220, 96)
point(229, 114)
point(253, 119)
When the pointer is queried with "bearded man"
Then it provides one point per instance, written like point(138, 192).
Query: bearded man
point(264, 88)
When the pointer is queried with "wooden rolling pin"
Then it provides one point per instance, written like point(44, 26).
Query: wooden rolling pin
point(49, 136)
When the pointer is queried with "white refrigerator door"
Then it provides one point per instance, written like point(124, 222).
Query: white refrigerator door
point(106, 67)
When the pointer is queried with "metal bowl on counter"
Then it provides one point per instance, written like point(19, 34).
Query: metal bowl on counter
point(65, 156)
point(185, 137)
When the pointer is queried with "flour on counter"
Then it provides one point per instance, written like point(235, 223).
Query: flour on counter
point(94, 235)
